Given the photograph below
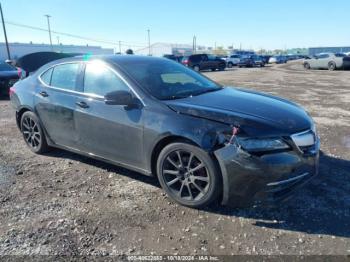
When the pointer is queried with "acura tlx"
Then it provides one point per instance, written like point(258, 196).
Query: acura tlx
point(204, 142)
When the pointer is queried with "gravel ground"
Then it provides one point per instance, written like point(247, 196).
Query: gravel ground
point(65, 204)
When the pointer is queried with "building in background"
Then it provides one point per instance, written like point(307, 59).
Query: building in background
point(18, 50)
point(317, 50)
point(160, 49)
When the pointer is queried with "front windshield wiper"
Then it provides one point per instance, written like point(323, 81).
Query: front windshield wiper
point(189, 94)
point(206, 91)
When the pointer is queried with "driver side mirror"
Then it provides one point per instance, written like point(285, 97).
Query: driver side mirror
point(120, 97)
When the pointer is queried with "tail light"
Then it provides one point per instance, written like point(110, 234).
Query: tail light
point(19, 72)
point(185, 62)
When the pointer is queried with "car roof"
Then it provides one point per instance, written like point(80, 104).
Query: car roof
point(117, 59)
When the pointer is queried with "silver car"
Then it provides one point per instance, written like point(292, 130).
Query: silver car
point(328, 61)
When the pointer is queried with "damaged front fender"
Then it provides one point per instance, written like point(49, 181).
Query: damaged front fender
point(249, 179)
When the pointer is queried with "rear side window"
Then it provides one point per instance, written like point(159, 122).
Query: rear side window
point(100, 80)
point(65, 76)
point(195, 58)
point(46, 77)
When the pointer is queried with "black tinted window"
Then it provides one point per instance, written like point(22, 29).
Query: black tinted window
point(100, 80)
point(195, 58)
point(46, 77)
point(65, 76)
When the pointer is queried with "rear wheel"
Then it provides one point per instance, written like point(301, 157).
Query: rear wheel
point(188, 175)
point(331, 66)
point(229, 65)
point(196, 68)
point(307, 66)
point(213, 69)
point(33, 133)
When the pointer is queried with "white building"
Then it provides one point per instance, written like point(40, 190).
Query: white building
point(160, 49)
point(20, 49)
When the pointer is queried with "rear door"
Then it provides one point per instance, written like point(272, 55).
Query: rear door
point(113, 132)
point(55, 102)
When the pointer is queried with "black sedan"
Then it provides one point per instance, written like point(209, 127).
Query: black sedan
point(9, 75)
point(203, 141)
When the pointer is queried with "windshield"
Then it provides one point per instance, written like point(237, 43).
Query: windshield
point(6, 67)
point(165, 79)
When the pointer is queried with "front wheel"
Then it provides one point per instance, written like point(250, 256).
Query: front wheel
point(33, 133)
point(188, 175)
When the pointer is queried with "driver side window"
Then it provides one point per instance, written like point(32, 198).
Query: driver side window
point(99, 80)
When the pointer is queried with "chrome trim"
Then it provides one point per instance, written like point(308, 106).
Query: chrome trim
point(282, 182)
point(306, 138)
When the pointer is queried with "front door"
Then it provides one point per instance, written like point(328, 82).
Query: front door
point(112, 132)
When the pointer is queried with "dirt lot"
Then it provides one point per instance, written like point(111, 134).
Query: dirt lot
point(65, 204)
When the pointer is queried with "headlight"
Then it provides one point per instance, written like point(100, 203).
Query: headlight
point(258, 145)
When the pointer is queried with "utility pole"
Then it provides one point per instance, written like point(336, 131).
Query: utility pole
point(149, 42)
point(3, 26)
point(48, 25)
point(194, 45)
point(120, 47)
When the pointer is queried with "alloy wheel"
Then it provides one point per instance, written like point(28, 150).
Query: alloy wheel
point(186, 175)
point(31, 132)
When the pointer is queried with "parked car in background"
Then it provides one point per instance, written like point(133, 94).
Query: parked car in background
point(266, 58)
point(280, 59)
point(174, 58)
point(232, 60)
point(328, 61)
point(171, 57)
point(246, 61)
point(205, 62)
point(184, 60)
point(205, 143)
point(258, 60)
point(9, 75)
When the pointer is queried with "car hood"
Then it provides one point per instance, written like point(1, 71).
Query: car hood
point(257, 113)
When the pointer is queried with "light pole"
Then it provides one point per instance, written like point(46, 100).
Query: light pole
point(48, 25)
point(3, 26)
point(149, 42)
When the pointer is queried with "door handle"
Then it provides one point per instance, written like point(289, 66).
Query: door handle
point(43, 94)
point(82, 104)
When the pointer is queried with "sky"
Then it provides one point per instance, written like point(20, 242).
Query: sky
point(252, 24)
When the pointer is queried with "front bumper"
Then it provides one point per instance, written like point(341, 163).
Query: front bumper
point(266, 179)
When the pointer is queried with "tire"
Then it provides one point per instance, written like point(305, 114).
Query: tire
point(332, 66)
point(196, 68)
point(307, 66)
point(213, 69)
point(197, 188)
point(229, 65)
point(222, 68)
point(33, 133)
